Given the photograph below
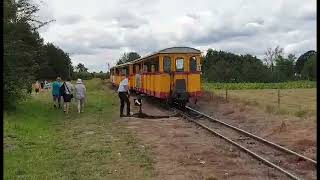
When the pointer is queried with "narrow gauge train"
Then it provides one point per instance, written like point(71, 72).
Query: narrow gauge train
point(171, 74)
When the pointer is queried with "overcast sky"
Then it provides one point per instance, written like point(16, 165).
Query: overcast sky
point(99, 31)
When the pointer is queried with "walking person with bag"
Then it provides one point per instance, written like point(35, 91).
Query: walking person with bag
point(67, 88)
point(80, 95)
point(56, 93)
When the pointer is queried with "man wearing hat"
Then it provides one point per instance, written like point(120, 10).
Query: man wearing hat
point(80, 94)
point(56, 92)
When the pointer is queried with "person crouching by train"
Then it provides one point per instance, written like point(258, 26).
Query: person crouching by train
point(67, 89)
point(56, 93)
point(80, 95)
point(124, 95)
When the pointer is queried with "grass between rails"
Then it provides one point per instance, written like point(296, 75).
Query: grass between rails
point(42, 143)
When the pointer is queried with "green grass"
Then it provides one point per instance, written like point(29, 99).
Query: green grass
point(42, 143)
point(238, 86)
point(296, 102)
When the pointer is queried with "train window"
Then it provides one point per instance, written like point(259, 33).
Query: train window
point(145, 68)
point(179, 64)
point(152, 68)
point(156, 67)
point(125, 71)
point(166, 64)
point(193, 64)
point(136, 69)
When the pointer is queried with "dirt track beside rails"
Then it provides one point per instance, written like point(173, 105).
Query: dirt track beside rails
point(295, 133)
point(181, 150)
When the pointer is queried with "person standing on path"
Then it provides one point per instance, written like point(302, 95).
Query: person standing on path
point(37, 87)
point(42, 85)
point(67, 95)
point(56, 93)
point(80, 95)
point(124, 95)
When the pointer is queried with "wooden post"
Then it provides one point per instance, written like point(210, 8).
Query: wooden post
point(226, 95)
point(279, 98)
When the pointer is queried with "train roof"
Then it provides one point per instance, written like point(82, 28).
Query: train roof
point(171, 50)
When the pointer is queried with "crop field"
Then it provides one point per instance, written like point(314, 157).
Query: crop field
point(284, 85)
point(299, 102)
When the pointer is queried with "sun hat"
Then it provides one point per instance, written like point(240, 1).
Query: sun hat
point(79, 81)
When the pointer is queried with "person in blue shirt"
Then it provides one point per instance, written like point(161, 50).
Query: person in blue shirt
point(56, 93)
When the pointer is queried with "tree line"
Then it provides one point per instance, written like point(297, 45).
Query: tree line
point(221, 66)
point(27, 57)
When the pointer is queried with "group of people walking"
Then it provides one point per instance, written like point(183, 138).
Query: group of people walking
point(65, 91)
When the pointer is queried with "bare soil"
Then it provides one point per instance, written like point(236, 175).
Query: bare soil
point(181, 150)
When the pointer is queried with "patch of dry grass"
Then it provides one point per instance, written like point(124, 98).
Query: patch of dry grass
point(297, 102)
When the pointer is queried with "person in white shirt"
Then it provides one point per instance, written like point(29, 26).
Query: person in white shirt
point(124, 94)
point(80, 95)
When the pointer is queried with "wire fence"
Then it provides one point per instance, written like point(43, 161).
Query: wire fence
point(300, 102)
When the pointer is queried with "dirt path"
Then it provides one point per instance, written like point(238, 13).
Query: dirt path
point(182, 150)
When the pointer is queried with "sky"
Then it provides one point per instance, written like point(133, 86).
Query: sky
point(98, 32)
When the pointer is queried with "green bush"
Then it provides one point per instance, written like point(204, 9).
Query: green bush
point(82, 75)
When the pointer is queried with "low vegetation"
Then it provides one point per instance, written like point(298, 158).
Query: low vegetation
point(284, 85)
point(296, 102)
point(40, 142)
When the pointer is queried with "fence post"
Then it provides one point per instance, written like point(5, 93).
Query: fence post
point(279, 98)
point(226, 95)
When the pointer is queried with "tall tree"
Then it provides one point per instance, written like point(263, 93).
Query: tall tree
point(22, 49)
point(303, 59)
point(56, 63)
point(292, 57)
point(220, 66)
point(271, 55)
point(128, 57)
point(284, 68)
point(81, 68)
point(309, 70)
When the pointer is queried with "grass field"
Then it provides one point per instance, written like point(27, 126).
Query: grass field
point(296, 102)
point(245, 86)
point(40, 142)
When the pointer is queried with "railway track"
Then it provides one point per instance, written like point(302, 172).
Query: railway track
point(288, 162)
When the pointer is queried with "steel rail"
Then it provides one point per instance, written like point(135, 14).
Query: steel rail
point(270, 164)
point(255, 137)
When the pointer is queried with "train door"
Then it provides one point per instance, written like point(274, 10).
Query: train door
point(166, 79)
point(180, 80)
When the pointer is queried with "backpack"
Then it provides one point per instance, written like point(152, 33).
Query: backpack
point(62, 90)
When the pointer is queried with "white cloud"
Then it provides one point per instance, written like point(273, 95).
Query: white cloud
point(96, 32)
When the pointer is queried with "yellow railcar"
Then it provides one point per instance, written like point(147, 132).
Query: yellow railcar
point(171, 74)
